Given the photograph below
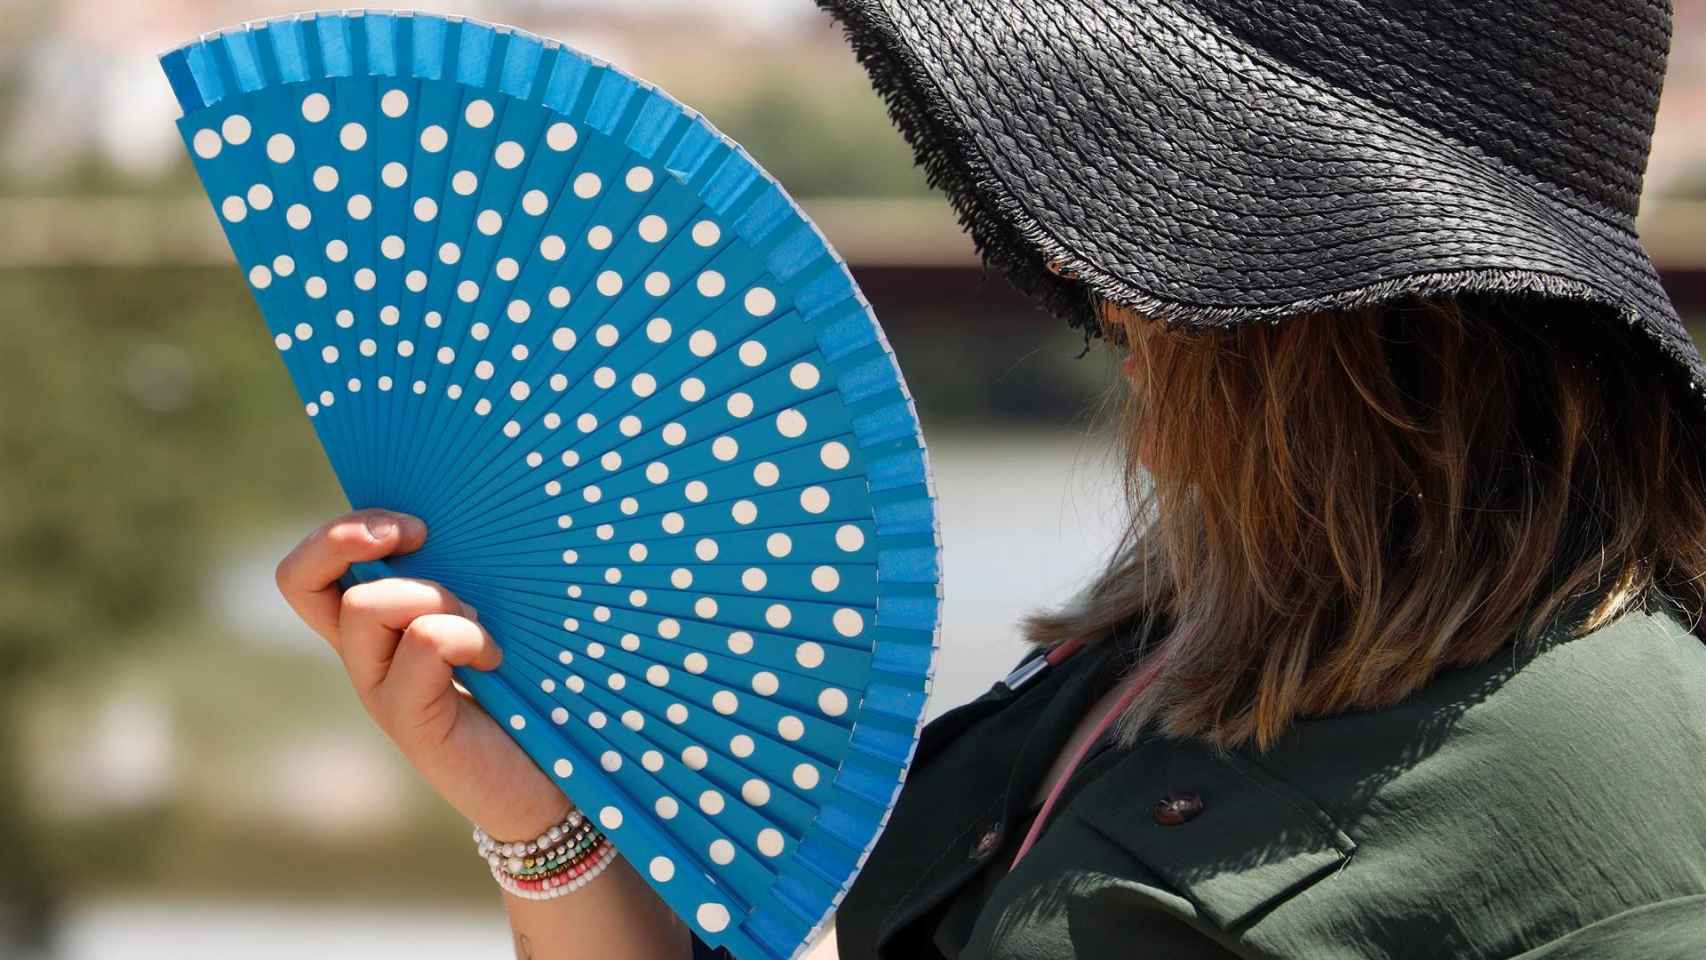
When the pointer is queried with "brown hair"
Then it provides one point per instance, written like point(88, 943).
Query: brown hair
point(1327, 511)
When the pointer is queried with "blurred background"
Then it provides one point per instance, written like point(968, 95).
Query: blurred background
point(183, 771)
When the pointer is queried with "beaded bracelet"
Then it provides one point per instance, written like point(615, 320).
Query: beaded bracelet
point(560, 861)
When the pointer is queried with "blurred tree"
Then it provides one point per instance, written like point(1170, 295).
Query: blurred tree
point(133, 437)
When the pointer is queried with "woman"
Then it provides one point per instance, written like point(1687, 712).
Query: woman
point(1396, 658)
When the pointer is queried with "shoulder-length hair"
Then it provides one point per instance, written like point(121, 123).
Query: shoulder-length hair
point(1327, 511)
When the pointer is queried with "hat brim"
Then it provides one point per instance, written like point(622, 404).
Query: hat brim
point(1168, 167)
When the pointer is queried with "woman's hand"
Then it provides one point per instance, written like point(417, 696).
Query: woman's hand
point(398, 639)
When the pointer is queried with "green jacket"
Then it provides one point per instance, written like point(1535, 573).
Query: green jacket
point(1545, 806)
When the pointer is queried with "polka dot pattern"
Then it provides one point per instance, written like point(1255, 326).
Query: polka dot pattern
point(665, 462)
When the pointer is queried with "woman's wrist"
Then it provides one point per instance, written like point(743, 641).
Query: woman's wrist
point(526, 818)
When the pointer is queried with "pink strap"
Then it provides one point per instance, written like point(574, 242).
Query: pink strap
point(1136, 686)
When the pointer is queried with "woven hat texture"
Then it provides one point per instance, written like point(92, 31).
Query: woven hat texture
point(1219, 161)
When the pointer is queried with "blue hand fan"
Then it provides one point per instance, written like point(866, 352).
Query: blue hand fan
point(657, 436)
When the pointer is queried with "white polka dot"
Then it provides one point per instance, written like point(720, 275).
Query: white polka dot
point(353, 136)
point(415, 280)
point(667, 808)
point(391, 247)
point(672, 522)
point(280, 148)
point(770, 842)
point(234, 209)
point(741, 745)
point(393, 174)
point(722, 852)
point(724, 448)
point(563, 768)
point(676, 713)
point(765, 684)
point(261, 277)
point(609, 283)
point(740, 642)
point(433, 138)
point(260, 196)
point(587, 185)
point(558, 297)
point(712, 917)
point(706, 548)
point(639, 179)
point(657, 675)
point(779, 544)
point(725, 702)
point(282, 341)
point(298, 216)
point(693, 390)
point(805, 776)
point(325, 178)
point(825, 579)
point(518, 311)
point(478, 113)
point(766, 474)
point(695, 757)
point(563, 338)
point(467, 291)
point(760, 302)
point(509, 154)
point(744, 512)
point(809, 654)
point(695, 663)
point(702, 343)
point(315, 107)
point(395, 103)
point(674, 434)
point(610, 817)
point(425, 209)
point(814, 499)
point(449, 252)
point(752, 353)
point(711, 284)
point(755, 792)
point(236, 129)
point(657, 283)
point(848, 622)
point(790, 423)
point(517, 722)
point(849, 537)
point(711, 802)
point(359, 206)
point(560, 136)
point(653, 228)
point(778, 615)
point(489, 222)
point(834, 455)
point(706, 233)
point(465, 182)
point(803, 375)
point(662, 869)
point(832, 702)
point(207, 144)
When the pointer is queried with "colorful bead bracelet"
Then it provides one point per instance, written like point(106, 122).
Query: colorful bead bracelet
point(559, 861)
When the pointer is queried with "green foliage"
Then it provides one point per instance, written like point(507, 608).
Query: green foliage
point(144, 411)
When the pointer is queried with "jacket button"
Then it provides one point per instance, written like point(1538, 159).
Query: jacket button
point(985, 844)
point(1176, 808)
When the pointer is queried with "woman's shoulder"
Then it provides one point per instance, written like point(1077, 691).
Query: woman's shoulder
point(1518, 801)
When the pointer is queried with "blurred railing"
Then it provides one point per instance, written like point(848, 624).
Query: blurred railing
point(908, 252)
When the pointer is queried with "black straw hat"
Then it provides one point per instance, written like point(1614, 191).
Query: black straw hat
point(1219, 161)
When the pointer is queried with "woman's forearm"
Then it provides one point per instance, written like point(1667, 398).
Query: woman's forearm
point(615, 916)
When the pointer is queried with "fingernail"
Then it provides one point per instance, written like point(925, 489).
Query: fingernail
point(381, 526)
point(469, 611)
point(412, 526)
